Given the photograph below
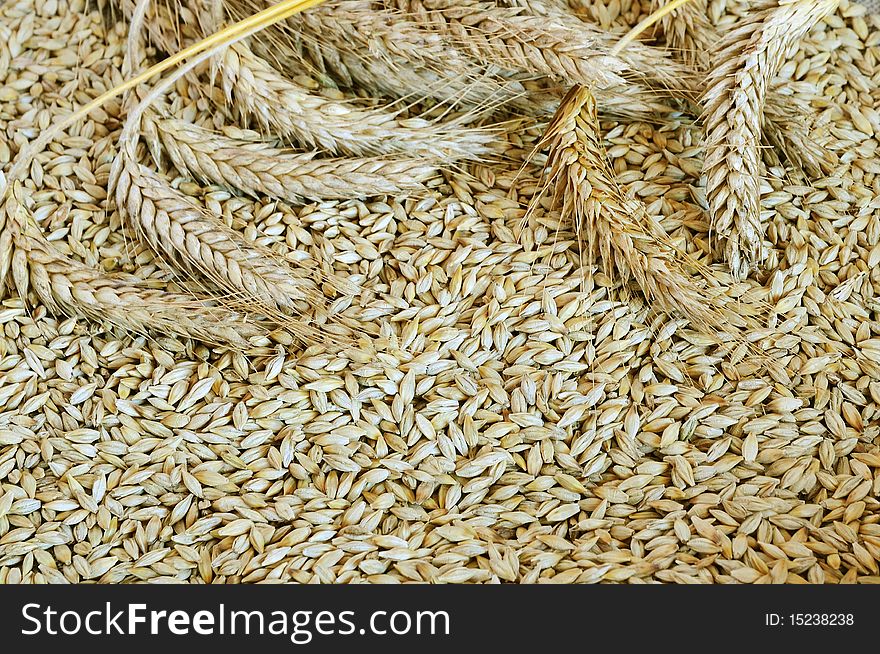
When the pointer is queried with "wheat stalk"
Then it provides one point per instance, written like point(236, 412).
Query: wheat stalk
point(745, 62)
point(257, 168)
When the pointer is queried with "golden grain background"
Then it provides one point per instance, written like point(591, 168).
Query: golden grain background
point(453, 292)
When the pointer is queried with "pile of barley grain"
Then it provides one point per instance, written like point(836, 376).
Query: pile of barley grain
point(520, 420)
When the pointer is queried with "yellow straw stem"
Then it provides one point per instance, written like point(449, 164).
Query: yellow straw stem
point(644, 24)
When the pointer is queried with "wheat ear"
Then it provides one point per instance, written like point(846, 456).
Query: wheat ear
point(259, 169)
point(539, 7)
point(181, 230)
point(691, 36)
point(789, 126)
point(744, 64)
point(358, 46)
point(72, 287)
point(556, 44)
point(257, 89)
point(287, 109)
point(644, 63)
point(211, 44)
point(626, 237)
point(380, 50)
point(68, 287)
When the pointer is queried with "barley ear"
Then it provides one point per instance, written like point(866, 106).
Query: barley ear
point(70, 288)
point(745, 62)
point(627, 239)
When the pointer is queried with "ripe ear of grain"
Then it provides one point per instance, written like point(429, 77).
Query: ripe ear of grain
point(69, 287)
point(627, 238)
point(258, 168)
point(745, 61)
